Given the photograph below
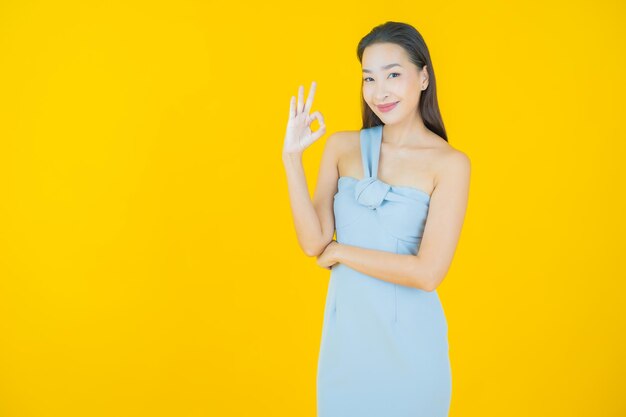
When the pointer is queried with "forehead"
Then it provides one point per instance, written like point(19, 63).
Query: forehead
point(379, 54)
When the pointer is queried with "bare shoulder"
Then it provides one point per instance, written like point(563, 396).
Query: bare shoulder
point(343, 137)
point(342, 141)
point(451, 162)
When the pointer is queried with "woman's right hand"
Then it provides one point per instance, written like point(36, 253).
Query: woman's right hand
point(299, 135)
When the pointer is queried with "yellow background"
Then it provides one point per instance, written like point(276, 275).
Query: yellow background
point(148, 260)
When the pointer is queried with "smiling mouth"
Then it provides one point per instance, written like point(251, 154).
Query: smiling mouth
point(387, 107)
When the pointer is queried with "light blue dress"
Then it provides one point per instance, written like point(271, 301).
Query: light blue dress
point(384, 346)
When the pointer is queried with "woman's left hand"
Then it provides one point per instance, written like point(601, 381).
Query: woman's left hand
point(329, 257)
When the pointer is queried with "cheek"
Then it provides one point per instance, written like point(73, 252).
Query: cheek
point(410, 90)
point(406, 87)
point(368, 95)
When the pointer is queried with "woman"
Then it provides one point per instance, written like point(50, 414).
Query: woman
point(396, 194)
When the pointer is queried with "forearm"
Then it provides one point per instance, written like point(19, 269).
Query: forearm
point(408, 270)
point(306, 220)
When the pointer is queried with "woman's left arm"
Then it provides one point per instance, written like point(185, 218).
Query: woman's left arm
point(428, 268)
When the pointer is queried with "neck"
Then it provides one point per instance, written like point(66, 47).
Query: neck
point(408, 132)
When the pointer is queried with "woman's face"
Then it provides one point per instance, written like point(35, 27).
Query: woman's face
point(384, 82)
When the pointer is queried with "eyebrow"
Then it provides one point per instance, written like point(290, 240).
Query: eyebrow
point(383, 67)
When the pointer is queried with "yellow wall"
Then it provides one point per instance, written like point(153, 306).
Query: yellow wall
point(148, 261)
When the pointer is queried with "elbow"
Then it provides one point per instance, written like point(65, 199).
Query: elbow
point(314, 250)
point(428, 287)
point(434, 281)
point(427, 280)
point(311, 251)
point(317, 248)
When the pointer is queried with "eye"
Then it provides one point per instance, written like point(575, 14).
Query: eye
point(368, 78)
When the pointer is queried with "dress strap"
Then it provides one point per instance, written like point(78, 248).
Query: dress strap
point(370, 150)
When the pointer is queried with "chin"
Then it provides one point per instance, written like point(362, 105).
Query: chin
point(390, 118)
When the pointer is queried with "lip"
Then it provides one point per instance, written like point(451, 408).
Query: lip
point(387, 107)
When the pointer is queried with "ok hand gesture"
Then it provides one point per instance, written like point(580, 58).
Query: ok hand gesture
point(299, 135)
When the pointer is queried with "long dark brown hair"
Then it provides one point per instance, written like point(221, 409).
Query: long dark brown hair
point(413, 43)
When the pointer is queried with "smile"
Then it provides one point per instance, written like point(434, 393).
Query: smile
point(387, 107)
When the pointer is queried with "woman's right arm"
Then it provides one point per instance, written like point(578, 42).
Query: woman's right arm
point(314, 221)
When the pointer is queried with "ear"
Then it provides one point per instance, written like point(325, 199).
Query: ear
point(425, 77)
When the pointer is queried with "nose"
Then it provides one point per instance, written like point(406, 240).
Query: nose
point(380, 98)
point(381, 92)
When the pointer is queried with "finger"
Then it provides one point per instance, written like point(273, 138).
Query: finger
point(322, 129)
point(292, 107)
point(317, 134)
point(309, 100)
point(300, 98)
point(308, 120)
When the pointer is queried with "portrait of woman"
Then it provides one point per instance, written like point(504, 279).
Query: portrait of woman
point(395, 193)
point(165, 251)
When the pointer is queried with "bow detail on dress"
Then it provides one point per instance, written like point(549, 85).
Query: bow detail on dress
point(371, 192)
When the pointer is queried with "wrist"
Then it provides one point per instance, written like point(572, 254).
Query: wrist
point(292, 157)
point(338, 252)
